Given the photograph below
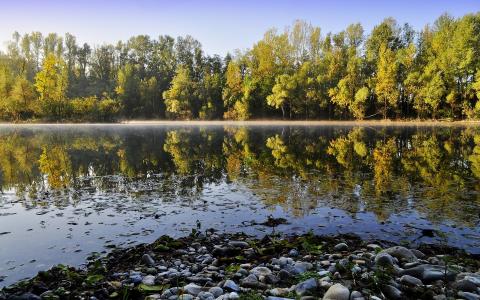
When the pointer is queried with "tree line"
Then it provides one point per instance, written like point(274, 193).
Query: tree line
point(298, 73)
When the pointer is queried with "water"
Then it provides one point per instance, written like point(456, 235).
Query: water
point(68, 191)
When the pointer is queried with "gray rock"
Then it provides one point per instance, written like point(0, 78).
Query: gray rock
point(278, 292)
point(186, 297)
point(302, 267)
point(192, 289)
point(306, 286)
point(429, 273)
point(419, 254)
point(148, 260)
point(284, 275)
point(473, 277)
point(392, 292)
point(233, 296)
point(238, 244)
point(401, 253)
point(26, 296)
point(278, 298)
point(148, 280)
point(465, 285)
point(384, 259)
point(410, 280)
point(341, 247)
point(205, 296)
point(468, 296)
point(293, 253)
point(337, 292)
point(216, 291)
point(230, 285)
point(261, 271)
point(356, 295)
point(251, 281)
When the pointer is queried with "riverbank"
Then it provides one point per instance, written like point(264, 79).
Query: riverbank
point(209, 265)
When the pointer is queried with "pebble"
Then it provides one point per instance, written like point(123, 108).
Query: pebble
point(337, 292)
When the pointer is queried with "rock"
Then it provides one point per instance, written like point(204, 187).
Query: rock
point(419, 254)
point(251, 281)
point(374, 247)
point(205, 296)
point(216, 291)
point(384, 259)
point(192, 289)
point(293, 253)
point(49, 295)
point(465, 285)
point(148, 280)
point(341, 247)
point(230, 285)
point(278, 292)
point(302, 267)
point(238, 244)
point(308, 285)
point(233, 296)
point(429, 273)
point(468, 296)
point(278, 298)
point(261, 271)
point(392, 292)
point(26, 296)
point(337, 292)
point(401, 253)
point(356, 295)
point(410, 280)
point(136, 278)
point(284, 275)
point(148, 260)
point(186, 297)
point(473, 277)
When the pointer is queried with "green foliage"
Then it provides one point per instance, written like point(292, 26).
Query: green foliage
point(297, 73)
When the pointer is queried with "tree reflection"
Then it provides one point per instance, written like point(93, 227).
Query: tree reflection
point(389, 170)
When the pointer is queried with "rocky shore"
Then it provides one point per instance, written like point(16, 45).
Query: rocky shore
point(212, 266)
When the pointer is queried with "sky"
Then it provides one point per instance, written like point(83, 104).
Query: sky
point(221, 26)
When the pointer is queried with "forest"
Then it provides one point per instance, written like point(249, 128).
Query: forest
point(393, 72)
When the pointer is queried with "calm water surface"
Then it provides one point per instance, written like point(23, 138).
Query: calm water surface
point(68, 191)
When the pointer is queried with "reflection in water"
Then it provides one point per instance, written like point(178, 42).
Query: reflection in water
point(114, 184)
point(383, 170)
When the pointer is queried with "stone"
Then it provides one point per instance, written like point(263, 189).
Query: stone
point(148, 260)
point(429, 273)
point(293, 253)
point(419, 254)
point(148, 280)
point(186, 297)
point(356, 295)
point(306, 286)
point(261, 271)
point(392, 292)
point(410, 280)
point(233, 296)
point(384, 259)
point(401, 253)
point(216, 291)
point(231, 286)
point(278, 292)
point(136, 278)
point(238, 244)
point(472, 277)
point(278, 298)
point(337, 292)
point(26, 296)
point(465, 285)
point(284, 275)
point(192, 289)
point(302, 267)
point(341, 247)
point(205, 296)
point(251, 281)
point(468, 296)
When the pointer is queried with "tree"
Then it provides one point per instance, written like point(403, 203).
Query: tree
point(385, 81)
point(128, 89)
point(179, 97)
point(52, 83)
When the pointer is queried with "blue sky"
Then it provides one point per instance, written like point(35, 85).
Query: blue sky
point(220, 26)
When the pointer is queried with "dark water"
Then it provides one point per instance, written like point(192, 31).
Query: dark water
point(70, 191)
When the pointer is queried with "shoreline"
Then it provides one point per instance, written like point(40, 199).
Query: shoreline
point(315, 123)
point(209, 265)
